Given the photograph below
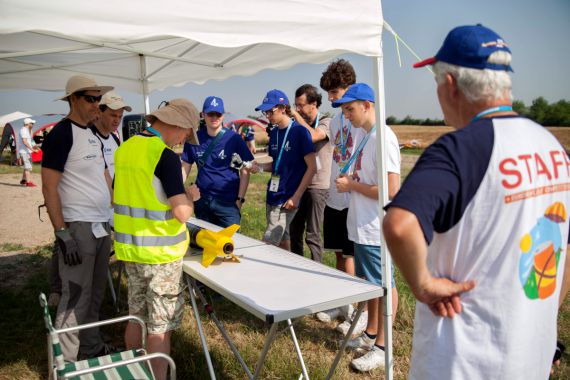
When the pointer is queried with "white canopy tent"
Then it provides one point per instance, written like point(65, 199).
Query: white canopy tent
point(146, 45)
point(4, 119)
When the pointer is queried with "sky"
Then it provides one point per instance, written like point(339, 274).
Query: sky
point(537, 32)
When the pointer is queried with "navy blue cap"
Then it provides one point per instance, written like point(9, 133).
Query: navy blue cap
point(358, 91)
point(272, 99)
point(213, 104)
point(470, 46)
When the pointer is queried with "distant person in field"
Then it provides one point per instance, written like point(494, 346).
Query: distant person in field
point(292, 170)
point(28, 146)
point(480, 227)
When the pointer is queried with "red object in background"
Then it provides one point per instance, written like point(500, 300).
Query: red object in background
point(37, 156)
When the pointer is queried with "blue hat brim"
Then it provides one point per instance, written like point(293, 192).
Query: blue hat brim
point(341, 101)
point(214, 109)
point(265, 107)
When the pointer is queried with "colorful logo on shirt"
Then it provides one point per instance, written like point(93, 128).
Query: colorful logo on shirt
point(337, 152)
point(540, 253)
point(357, 166)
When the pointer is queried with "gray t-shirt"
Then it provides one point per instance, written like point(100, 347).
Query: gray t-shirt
point(324, 152)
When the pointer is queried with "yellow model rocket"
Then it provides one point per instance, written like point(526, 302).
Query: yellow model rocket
point(214, 244)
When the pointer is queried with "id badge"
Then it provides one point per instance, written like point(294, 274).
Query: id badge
point(274, 183)
point(98, 230)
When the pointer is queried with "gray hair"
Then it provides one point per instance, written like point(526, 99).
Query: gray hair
point(479, 85)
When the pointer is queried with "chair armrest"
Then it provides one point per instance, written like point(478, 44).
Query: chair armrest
point(108, 322)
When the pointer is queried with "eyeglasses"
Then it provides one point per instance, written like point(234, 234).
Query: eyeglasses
point(269, 113)
point(91, 99)
point(164, 103)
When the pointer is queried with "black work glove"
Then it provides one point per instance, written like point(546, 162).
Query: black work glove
point(68, 247)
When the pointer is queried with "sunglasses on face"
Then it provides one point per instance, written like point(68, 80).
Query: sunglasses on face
point(269, 113)
point(91, 98)
point(214, 114)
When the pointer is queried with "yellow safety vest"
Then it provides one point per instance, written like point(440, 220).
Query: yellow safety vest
point(146, 231)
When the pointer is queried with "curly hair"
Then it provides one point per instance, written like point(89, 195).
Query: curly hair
point(339, 74)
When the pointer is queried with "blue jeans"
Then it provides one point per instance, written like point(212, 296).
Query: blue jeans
point(221, 213)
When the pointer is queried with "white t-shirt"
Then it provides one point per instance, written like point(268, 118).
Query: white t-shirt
point(25, 134)
point(77, 153)
point(110, 145)
point(363, 221)
point(493, 198)
point(336, 200)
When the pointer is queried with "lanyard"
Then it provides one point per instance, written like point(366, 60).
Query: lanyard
point(342, 140)
point(357, 151)
point(154, 132)
point(317, 120)
point(202, 160)
point(282, 146)
point(491, 110)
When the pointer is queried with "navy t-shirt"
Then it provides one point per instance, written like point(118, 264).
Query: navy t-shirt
point(292, 166)
point(217, 178)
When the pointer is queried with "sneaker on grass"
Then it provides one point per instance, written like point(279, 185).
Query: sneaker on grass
point(328, 315)
point(360, 325)
point(371, 360)
point(361, 343)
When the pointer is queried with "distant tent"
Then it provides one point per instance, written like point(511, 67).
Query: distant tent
point(5, 119)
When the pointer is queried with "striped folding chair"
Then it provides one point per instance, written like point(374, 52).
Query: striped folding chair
point(131, 364)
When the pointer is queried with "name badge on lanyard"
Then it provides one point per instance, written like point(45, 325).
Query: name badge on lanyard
point(274, 183)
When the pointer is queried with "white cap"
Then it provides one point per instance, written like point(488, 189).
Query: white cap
point(29, 121)
point(114, 101)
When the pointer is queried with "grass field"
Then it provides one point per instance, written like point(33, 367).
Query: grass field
point(24, 344)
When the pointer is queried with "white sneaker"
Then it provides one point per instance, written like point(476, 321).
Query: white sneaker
point(361, 343)
point(360, 325)
point(328, 315)
point(346, 311)
point(371, 360)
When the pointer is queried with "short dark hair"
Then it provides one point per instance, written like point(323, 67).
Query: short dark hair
point(311, 92)
point(103, 107)
point(339, 74)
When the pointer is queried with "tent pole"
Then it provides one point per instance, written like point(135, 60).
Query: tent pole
point(382, 200)
point(144, 82)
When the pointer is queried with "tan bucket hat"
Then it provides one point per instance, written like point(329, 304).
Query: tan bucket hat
point(114, 101)
point(180, 113)
point(83, 83)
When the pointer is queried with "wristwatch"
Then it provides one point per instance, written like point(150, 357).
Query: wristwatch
point(242, 200)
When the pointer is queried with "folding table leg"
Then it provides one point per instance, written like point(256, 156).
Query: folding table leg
point(200, 329)
point(298, 349)
point(345, 340)
point(221, 328)
point(266, 345)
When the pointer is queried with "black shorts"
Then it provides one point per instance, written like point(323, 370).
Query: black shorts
point(335, 232)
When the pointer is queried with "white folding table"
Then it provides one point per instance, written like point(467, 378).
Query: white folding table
point(275, 286)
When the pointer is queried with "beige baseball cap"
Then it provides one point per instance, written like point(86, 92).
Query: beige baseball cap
point(178, 112)
point(114, 101)
point(29, 121)
point(83, 83)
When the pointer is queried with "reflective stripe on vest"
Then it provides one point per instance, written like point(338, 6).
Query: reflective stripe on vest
point(138, 212)
point(150, 241)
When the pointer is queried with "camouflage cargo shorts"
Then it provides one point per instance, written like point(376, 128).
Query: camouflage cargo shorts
point(156, 294)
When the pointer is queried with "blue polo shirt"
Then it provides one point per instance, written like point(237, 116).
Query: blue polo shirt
point(292, 166)
point(216, 178)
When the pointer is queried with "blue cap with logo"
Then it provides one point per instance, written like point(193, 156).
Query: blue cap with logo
point(213, 104)
point(470, 46)
point(358, 91)
point(272, 99)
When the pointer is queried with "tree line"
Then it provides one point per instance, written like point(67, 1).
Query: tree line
point(551, 115)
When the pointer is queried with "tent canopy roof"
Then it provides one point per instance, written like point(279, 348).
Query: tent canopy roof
point(44, 43)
